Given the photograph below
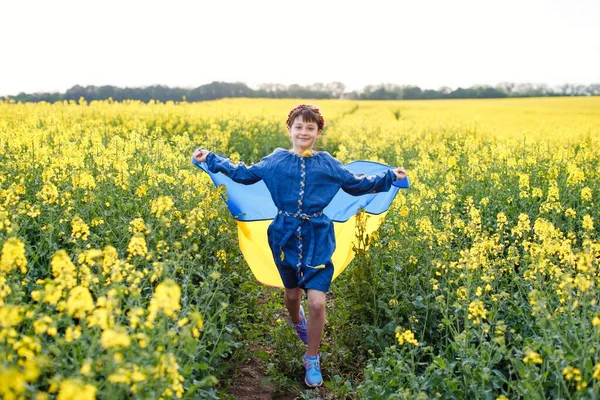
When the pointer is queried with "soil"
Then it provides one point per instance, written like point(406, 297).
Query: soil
point(251, 383)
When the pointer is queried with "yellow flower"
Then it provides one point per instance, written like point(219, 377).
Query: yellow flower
point(97, 222)
point(588, 223)
point(72, 333)
point(41, 324)
point(4, 290)
point(523, 226)
point(63, 269)
point(137, 246)
point(501, 220)
point(596, 373)
point(79, 229)
point(477, 311)
point(425, 226)
point(27, 347)
point(575, 175)
point(48, 194)
point(166, 299)
point(500, 328)
point(79, 302)
point(161, 205)
point(13, 256)
point(115, 338)
point(221, 255)
point(10, 315)
point(405, 336)
point(169, 369)
point(531, 357)
point(137, 376)
point(586, 194)
point(86, 368)
point(83, 180)
point(452, 162)
point(134, 316)
point(100, 317)
point(572, 374)
point(76, 389)
point(128, 377)
point(12, 383)
point(141, 191)
point(138, 225)
point(524, 186)
point(142, 340)
point(52, 294)
point(30, 369)
point(196, 317)
point(403, 211)
point(120, 376)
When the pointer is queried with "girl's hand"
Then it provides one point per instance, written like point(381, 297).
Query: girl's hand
point(400, 173)
point(200, 155)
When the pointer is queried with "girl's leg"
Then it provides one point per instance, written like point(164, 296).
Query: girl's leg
point(292, 298)
point(316, 320)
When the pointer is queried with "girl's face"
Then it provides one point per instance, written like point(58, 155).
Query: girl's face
point(303, 133)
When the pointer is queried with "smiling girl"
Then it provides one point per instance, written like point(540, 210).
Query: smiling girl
point(302, 182)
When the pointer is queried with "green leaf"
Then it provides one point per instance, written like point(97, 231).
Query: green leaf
point(440, 362)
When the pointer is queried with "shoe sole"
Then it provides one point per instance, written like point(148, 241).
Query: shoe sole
point(314, 385)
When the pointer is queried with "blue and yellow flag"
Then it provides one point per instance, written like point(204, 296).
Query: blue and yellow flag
point(253, 209)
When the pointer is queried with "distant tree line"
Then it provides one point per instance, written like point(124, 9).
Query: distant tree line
point(334, 90)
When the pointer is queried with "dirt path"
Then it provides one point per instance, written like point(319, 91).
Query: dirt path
point(250, 381)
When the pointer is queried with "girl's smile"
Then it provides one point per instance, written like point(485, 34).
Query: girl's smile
point(303, 134)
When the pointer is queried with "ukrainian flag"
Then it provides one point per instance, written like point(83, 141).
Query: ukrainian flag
point(253, 210)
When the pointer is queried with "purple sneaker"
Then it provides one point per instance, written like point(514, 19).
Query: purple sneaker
point(301, 327)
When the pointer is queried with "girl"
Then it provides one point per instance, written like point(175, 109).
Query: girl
point(302, 182)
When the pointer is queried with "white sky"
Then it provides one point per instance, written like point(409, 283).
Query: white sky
point(54, 45)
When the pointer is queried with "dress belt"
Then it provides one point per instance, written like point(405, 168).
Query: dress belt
point(299, 218)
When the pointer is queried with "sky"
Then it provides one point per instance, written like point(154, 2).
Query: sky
point(49, 46)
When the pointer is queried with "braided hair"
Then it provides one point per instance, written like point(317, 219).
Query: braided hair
point(309, 113)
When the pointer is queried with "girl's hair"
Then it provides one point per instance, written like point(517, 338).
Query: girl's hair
point(309, 113)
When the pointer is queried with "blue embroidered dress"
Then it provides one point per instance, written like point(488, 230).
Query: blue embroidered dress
point(301, 236)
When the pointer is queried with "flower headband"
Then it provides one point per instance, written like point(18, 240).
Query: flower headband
point(312, 108)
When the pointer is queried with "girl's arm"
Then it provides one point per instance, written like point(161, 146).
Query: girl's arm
point(239, 172)
point(357, 185)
